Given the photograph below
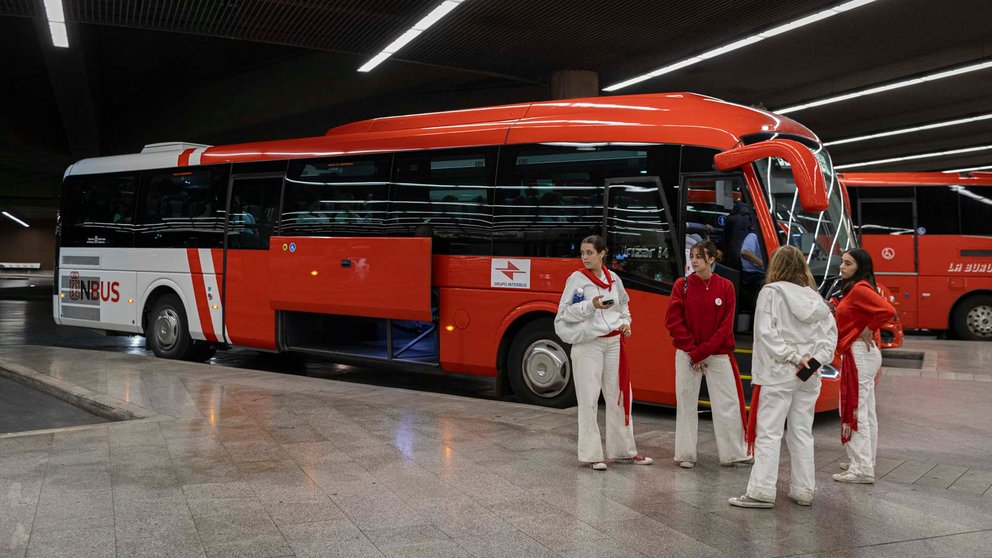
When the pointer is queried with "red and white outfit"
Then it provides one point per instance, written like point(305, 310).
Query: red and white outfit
point(861, 308)
point(598, 362)
point(700, 319)
point(791, 323)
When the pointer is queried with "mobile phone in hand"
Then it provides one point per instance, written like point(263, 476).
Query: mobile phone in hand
point(606, 302)
point(811, 367)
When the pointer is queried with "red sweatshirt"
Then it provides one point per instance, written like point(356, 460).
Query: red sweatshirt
point(701, 321)
point(862, 307)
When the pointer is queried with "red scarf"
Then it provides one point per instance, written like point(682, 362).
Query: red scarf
point(848, 396)
point(624, 368)
point(751, 434)
point(740, 389)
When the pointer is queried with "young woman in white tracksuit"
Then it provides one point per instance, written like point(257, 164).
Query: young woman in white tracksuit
point(700, 319)
point(594, 317)
point(792, 325)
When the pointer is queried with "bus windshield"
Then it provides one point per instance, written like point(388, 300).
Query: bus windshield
point(822, 235)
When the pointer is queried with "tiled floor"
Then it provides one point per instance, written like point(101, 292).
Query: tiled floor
point(250, 463)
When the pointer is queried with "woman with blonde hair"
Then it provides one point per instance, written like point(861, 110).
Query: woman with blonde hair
point(794, 332)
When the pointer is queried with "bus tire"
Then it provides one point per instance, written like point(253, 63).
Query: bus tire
point(168, 330)
point(539, 368)
point(973, 318)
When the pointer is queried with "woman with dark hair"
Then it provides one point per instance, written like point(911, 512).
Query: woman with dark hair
point(700, 320)
point(793, 332)
point(593, 316)
point(860, 311)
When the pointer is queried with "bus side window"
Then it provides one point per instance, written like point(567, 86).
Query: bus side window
point(340, 196)
point(640, 236)
point(182, 208)
point(254, 202)
point(447, 195)
point(98, 210)
point(937, 209)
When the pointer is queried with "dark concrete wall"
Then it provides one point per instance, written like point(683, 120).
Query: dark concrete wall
point(27, 245)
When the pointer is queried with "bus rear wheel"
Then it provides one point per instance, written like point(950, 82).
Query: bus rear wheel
point(973, 318)
point(168, 330)
point(539, 368)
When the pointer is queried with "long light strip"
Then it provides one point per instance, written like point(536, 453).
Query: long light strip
point(910, 130)
point(442, 9)
point(914, 157)
point(888, 87)
point(969, 169)
point(11, 217)
point(56, 23)
point(802, 22)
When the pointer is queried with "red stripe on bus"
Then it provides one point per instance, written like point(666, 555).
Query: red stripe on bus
point(184, 157)
point(217, 256)
point(200, 294)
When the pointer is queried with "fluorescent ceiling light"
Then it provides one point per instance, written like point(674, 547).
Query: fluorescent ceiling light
point(11, 217)
point(742, 43)
point(913, 129)
point(888, 87)
point(913, 157)
point(969, 169)
point(56, 23)
point(410, 34)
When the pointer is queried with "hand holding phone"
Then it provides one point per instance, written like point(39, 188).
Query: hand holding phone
point(804, 373)
point(607, 302)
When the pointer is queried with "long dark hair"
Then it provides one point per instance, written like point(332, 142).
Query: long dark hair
point(865, 271)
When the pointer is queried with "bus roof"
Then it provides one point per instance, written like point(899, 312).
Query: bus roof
point(683, 118)
point(853, 179)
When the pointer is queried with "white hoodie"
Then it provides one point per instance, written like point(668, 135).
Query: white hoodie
point(790, 323)
point(578, 321)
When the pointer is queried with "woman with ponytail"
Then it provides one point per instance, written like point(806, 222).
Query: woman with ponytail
point(860, 312)
point(793, 333)
point(594, 317)
point(700, 320)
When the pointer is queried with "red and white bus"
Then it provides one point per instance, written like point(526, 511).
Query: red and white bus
point(439, 240)
point(930, 236)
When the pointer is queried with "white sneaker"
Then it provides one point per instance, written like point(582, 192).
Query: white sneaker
point(742, 462)
point(853, 478)
point(801, 501)
point(599, 466)
point(746, 501)
point(687, 464)
point(844, 465)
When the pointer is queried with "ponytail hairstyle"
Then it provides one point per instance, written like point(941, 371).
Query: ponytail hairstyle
point(789, 264)
point(707, 249)
point(865, 271)
point(597, 242)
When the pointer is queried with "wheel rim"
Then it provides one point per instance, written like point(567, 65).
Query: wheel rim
point(980, 320)
point(167, 328)
point(546, 369)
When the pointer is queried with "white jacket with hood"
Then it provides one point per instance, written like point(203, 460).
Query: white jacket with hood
point(790, 323)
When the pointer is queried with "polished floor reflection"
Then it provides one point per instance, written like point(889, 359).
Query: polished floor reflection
point(255, 463)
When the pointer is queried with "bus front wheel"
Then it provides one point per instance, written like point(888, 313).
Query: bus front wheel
point(539, 368)
point(168, 330)
point(973, 318)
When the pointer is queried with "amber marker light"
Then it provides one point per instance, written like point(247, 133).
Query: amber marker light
point(61, 295)
point(130, 301)
point(313, 273)
point(216, 307)
point(450, 328)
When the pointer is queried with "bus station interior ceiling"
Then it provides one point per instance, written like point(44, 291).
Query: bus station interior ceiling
point(245, 70)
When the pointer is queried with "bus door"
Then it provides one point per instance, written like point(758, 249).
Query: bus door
point(888, 228)
point(252, 213)
point(646, 253)
point(715, 207)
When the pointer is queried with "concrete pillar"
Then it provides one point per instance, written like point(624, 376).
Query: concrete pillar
point(570, 84)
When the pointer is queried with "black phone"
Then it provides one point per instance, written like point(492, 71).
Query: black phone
point(811, 367)
point(606, 302)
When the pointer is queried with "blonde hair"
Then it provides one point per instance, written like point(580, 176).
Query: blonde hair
point(789, 264)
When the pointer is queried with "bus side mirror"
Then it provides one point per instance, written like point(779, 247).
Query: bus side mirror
point(805, 168)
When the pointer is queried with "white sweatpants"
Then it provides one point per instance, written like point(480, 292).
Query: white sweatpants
point(724, 404)
point(862, 447)
point(794, 401)
point(596, 367)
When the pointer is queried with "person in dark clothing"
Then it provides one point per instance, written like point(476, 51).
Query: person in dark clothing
point(739, 223)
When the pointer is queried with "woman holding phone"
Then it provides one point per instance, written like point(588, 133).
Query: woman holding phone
point(860, 312)
point(793, 333)
point(594, 317)
point(700, 319)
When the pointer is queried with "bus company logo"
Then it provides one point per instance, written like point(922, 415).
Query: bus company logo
point(510, 274)
point(969, 268)
point(92, 289)
point(888, 253)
